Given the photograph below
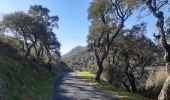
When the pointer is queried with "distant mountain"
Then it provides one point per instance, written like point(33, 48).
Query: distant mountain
point(74, 51)
point(79, 58)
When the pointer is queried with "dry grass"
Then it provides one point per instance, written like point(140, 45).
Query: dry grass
point(156, 78)
point(122, 94)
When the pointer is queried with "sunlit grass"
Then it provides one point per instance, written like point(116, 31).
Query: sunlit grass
point(117, 92)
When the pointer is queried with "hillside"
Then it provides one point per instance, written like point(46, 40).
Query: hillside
point(79, 59)
point(74, 51)
point(21, 79)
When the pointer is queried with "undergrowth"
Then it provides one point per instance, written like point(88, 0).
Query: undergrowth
point(116, 92)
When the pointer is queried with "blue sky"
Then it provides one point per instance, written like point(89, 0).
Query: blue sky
point(73, 23)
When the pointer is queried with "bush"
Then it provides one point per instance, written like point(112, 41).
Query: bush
point(154, 83)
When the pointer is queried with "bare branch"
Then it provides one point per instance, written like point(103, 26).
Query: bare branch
point(163, 4)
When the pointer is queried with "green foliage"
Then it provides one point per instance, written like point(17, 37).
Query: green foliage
point(131, 52)
point(48, 37)
point(99, 6)
point(24, 58)
point(34, 30)
point(21, 79)
point(80, 60)
point(107, 21)
point(117, 92)
point(154, 82)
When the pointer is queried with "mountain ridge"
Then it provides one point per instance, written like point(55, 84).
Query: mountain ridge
point(76, 50)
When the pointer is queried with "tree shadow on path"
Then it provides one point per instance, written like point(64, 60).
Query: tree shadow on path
point(71, 87)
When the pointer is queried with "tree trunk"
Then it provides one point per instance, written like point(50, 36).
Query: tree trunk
point(27, 54)
point(130, 76)
point(133, 85)
point(165, 92)
point(36, 51)
point(99, 72)
point(132, 81)
point(49, 65)
point(22, 45)
point(39, 51)
point(42, 52)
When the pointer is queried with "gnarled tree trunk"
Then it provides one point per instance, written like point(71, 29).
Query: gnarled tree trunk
point(165, 92)
point(99, 72)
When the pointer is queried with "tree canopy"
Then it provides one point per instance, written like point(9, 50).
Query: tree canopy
point(34, 30)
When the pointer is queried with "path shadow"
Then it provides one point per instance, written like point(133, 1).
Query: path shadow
point(71, 83)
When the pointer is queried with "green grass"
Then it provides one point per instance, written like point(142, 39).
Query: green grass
point(117, 92)
point(25, 82)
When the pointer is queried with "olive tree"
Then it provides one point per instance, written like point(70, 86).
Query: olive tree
point(19, 23)
point(107, 20)
point(34, 30)
point(132, 51)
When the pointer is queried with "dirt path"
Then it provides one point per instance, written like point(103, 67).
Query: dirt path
point(71, 87)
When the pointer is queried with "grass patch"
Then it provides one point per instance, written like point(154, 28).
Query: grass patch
point(21, 79)
point(116, 92)
point(24, 82)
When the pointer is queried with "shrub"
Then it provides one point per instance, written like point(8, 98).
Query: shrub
point(154, 83)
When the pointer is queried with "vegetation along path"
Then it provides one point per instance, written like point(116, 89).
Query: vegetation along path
point(71, 87)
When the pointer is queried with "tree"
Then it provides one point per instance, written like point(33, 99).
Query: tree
point(154, 7)
point(48, 38)
point(107, 20)
point(19, 23)
point(34, 30)
point(130, 54)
